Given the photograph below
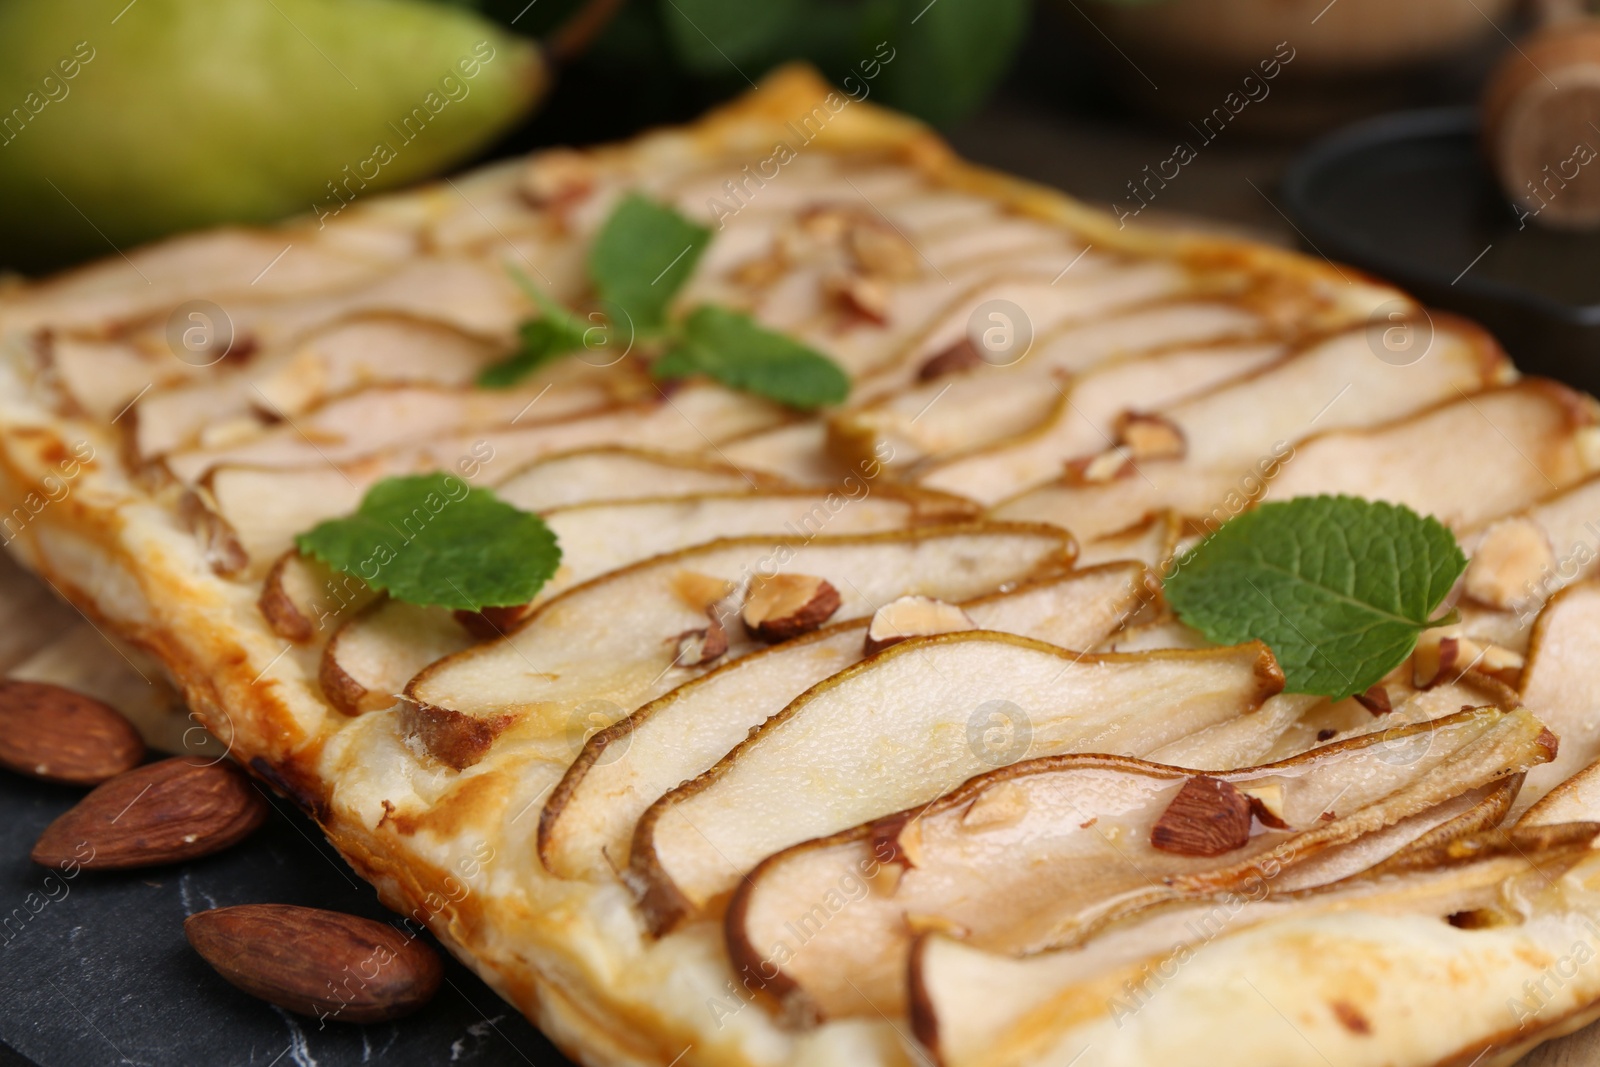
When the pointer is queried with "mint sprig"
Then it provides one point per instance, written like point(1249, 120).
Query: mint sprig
point(554, 333)
point(433, 539)
point(1338, 587)
point(731, 348)
point(642, 257)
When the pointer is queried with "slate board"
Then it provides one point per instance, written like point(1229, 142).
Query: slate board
point(102, 975)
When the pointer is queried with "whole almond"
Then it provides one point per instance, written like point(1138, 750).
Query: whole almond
point(162, 812)
point(320, 963)
point(57, 735)
point(1208, 817)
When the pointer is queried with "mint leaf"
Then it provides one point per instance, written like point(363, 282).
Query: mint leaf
point(433, 539)
point(731, 348)
point(641, 258)
point(1338, 587)
point(554, 333)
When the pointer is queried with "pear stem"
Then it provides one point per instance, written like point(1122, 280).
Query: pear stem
point(574, 36)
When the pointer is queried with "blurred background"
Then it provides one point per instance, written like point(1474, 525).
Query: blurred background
point(125, 120)
point(121, 121)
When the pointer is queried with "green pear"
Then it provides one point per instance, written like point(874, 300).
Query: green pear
point(123, 121)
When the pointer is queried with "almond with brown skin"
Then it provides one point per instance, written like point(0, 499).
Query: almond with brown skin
point(696, 648)
point(788, 605)
point(57, 735)
point(162, 812)
point(319, 963)
point(1208, 817)
point(1375, 700)
point(961, 356)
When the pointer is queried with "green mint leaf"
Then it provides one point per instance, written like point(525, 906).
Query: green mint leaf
point(433, 539)
point(641, 258)
point(1338, 587)
point(731, 348)
point(554, 333)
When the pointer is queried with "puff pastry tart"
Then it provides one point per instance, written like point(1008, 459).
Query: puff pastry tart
point(861, 735)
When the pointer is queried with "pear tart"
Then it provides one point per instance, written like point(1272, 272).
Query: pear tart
point(860, 736)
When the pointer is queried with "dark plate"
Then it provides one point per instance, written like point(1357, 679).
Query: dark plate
point(95, 971)
point(1409, 197)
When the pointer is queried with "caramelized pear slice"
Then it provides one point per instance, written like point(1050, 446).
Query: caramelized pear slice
point(1354, 966)
point(588, 822)
point(1039, 854)
point(907, 726)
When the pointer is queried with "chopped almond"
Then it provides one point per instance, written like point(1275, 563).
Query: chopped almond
point(788, 605)
point(1375, 700)
point(1443, 659)
point(1434, 658)
point(558, 177)
point(1001, 805)
point(883, 253)
point(1511, 559)
point(859, 295)
point(963, 355)
point(696, 648)
point(1107, 466)
point(1148, 436)
point(700, 591)
point(1208, 817)
point(762, 271)
point(1266, 804)
point(913, 616)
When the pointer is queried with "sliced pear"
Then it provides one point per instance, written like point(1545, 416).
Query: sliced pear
point(697, 416)
point(615, 640)
point(1340, 975)
point(104, 377)
point(601, 537)
point(215, 265)
point(1152, 542)
point(613, 474)
point(1239, 434)
point(375, 652)
point(1045, 304)
point(588, 822)
point(270, 505)
point(907, 726)
point(797, 453)
point(1465, 462)
point(472, 294)
point(343, 357)
point(1562, 686)
point(380, 419)
point(947, 419)
point(1409, 842)
point(303, 599)
point(1039, 854)
point(976, 403)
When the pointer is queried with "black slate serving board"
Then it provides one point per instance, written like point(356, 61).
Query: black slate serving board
point(1410, 198)
point(95, 971)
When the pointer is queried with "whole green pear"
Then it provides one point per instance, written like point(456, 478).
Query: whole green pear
point(121, 122)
